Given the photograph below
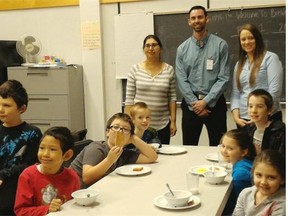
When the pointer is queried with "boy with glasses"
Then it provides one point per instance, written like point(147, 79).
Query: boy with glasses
point(100, 158)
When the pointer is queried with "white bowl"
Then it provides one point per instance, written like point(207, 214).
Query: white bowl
point(181, 197)
point(216, 177)
point(85, 197)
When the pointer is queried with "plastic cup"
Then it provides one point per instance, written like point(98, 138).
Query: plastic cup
point(192, 182)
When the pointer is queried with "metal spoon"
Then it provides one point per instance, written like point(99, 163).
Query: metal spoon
point(170, 190)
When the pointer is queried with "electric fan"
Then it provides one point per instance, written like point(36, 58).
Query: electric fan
point(29, 47)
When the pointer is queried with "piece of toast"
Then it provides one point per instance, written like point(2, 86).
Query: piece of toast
point(120, 139)
point(138, 168)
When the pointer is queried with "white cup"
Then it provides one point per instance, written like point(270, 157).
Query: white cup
point(192, 182)
point(221, 161)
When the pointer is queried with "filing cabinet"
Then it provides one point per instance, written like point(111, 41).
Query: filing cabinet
point(56, 96)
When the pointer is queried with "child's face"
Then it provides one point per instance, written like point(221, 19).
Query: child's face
point(111, 133)
point(142, 119)
point(266, 179)
point(231, 151)
point(50, 155)
point(9, 113)
point(258, 110)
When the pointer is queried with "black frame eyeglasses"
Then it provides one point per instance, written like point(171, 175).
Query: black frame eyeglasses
point(117, 128)
point(153, 45)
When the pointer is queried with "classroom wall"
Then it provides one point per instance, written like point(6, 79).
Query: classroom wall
point(59, 30)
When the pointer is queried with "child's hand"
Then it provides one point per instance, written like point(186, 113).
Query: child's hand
point(55, 205)
point(1, 181)
point(114, 153)
point(131, 139)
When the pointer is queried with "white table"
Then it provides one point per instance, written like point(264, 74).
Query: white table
point(122, 195)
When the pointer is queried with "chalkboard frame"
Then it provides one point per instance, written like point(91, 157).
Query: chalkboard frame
point(173, 29)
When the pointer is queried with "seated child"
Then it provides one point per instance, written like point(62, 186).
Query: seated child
point(236, 148)
point(141, 117)
point(102, 157)
point(44, 187)
point(266, 133)
point(19, 142)
point(267, 196)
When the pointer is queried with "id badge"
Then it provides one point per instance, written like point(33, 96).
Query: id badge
point(209, 64)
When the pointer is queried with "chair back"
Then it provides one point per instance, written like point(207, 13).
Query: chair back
point(78, 147)
point(79, 135)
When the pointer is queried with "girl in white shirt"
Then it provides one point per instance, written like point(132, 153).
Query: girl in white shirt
point(267, 196)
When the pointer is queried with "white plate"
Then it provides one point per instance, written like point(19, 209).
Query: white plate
point(200, 170)
point(127, 170)
point(171, 150)
point(212, 157)
point(161, 202)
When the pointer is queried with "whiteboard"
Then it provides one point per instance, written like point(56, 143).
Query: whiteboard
point(130, 31)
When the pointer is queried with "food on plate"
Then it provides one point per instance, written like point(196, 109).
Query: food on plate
point(137, 169)
point(191, 202)
point(201, 170)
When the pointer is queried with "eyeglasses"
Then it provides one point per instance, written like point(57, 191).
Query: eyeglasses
point(153, 45)
point(117, 128)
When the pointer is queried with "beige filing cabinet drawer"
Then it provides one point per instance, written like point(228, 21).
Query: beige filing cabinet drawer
point(55, 106)
point(41, 80)
point(55, 95)
point(43, 125)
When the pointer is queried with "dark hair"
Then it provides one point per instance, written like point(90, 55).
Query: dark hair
point(153, 37)
point(244, 141)
point(15, 90)
point(265, 95)
point(198, 7)
point(63, 134)
point(123, 117)
point(138, 105)
point(259, 53)
point(273, 158)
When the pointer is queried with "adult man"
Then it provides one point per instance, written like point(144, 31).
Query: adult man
point(202, 71)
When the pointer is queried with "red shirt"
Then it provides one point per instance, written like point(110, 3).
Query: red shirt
point(35, 190)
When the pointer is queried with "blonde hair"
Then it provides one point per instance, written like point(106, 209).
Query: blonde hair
point(136, 106)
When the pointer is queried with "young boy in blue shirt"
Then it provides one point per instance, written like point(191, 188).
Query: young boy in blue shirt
point(19, 142)
point(141, 116)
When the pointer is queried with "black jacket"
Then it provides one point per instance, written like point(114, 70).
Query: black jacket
point(274, 136)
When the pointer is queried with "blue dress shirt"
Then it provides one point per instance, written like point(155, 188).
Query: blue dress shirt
point(203, 68)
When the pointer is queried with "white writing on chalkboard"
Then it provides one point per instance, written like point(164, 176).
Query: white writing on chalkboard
point(247, 14)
